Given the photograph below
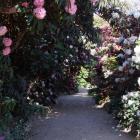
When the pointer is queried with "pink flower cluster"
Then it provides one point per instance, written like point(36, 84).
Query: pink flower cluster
point(39, 3)
point(6, 51)
point(25, 4)
point(7, 42)
point(2, 138)
point(94, 2)
point(39, 12)
point(107, 35)
point(71, 7)
point(3, 30)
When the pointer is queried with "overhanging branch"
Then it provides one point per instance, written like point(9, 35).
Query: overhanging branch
point(9, 10)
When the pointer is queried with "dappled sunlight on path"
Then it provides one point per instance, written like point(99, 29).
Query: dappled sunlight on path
point(76, 118)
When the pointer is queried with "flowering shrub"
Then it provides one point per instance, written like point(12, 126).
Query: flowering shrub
point(130, 111)
point(42, 54)
point(117, 68)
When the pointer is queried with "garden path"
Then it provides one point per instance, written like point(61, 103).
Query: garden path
point(76, 118)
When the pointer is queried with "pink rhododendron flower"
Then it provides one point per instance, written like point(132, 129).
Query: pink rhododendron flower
point(39, 3)
point(6, 51)
point(39, 13)
point(25, 4)
point(71, 7)
point(104, 58)
point(7, 42)
point(94, 1)
point(71, 10)
point(117, 47)
point(3, 30)
point(2, 138)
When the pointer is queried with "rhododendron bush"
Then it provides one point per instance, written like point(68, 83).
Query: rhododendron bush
point(42, 51)
point(116, 71)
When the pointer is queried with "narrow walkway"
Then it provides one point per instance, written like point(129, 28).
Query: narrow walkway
point(75, 118)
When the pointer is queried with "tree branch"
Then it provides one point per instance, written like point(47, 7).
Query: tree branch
point(10, 10)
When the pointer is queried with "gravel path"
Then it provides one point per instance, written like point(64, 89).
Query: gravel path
point(76, 118)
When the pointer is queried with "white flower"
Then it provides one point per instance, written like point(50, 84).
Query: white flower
point(126, 42)
point(139, 37)
point(104, 58)
point(132, 39)
point(128, 51)
point(66, 60)
point(133, 58)
point(120, 39)
point(125, 63)
point(108, 6)
point(43, 84)
point(117, 80)
point(129, 59)
point(139, 81)
point(131, 71)
point(120, 55)
point(137, 59)
point(136, 14)
point(28, 98)
point(37, 103)
point(136, 94)
point(71, 55)
point(84, 39)
point(104, 48)
point(130, 94)
point(130, 102)
point(71, 46)
point(138, 113)
point(137, 67)
point(68, 37)
point(137, 50)
point(108, 73)
point(93, 52)
point(115, 15)
point(124, 97)
point(120, 68)
point(76, 50)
